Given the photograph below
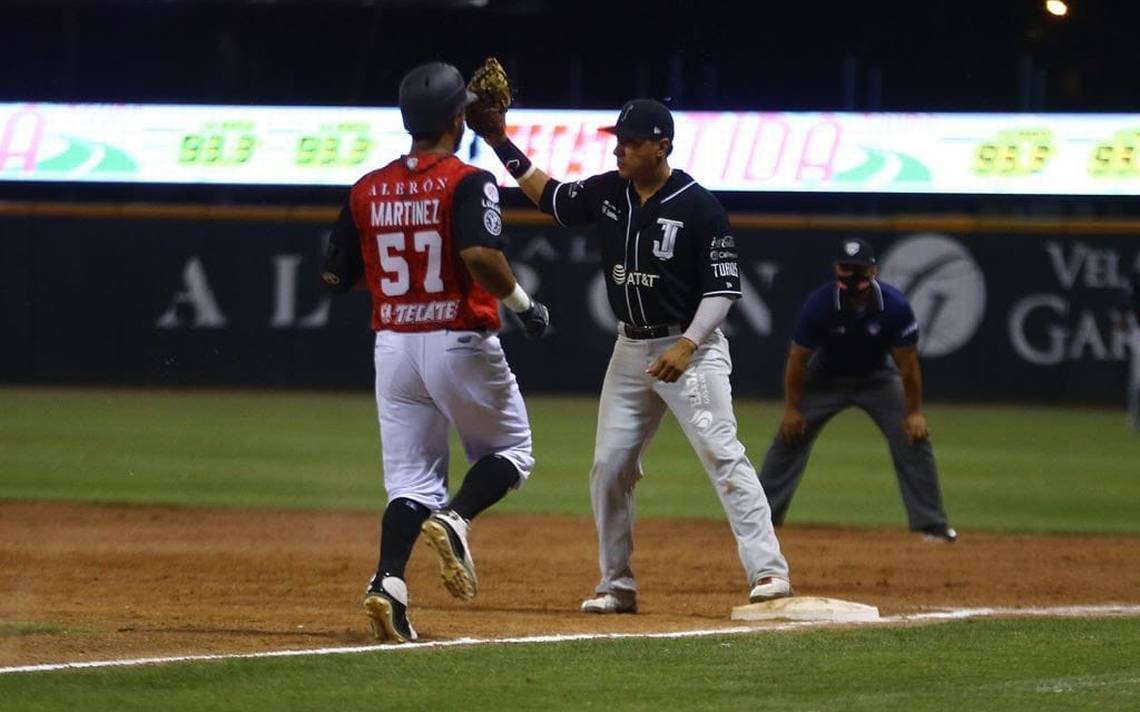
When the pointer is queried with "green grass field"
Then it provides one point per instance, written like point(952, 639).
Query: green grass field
point(1003, 468)
point(1007, 665)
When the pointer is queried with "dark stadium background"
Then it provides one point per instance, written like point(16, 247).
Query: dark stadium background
point(975, 55)
point(109, 266)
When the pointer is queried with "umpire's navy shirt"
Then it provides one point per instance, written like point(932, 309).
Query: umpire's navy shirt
point(854, 343)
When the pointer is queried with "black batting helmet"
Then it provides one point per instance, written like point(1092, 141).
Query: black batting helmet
point(431, 95)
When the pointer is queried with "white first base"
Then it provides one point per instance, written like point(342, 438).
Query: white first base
point(806, 608)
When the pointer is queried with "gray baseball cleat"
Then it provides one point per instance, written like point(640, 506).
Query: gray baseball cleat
point(386, 605)
point(616, 602)
point(446, 532)
point(770, 588)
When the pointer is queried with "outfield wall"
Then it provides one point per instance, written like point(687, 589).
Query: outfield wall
point(216, 296)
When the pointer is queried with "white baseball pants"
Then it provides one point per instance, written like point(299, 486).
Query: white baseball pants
point(428, 381)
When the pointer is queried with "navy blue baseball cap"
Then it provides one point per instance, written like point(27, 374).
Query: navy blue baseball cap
point(643, 119)
point(855, 252)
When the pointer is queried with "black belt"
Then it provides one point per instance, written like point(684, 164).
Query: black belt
point(650, 332)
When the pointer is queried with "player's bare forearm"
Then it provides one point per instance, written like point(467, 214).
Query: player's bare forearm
point(490, 269)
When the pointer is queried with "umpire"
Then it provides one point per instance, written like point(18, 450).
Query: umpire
point(838, 359)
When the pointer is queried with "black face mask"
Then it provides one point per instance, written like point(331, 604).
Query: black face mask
point(854, 284)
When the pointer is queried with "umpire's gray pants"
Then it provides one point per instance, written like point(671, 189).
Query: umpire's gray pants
point(629, 412)
point(881, 397)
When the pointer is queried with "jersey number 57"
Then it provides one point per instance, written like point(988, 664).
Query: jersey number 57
point(394, 261)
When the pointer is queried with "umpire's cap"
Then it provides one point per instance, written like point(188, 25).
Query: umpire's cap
point(643, 119)
point(855, 252)
point(431, 95)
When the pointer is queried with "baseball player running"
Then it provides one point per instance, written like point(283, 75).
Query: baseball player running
point(838, 359)
point(671, 269)
point(423, 233)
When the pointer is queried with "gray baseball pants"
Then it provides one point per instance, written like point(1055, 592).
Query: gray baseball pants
point(629, 413)
point(880, 395)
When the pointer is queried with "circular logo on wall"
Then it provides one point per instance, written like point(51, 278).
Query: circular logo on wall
point(944, 285)
point(619, 274)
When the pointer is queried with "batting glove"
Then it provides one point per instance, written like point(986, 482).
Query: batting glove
point(535, 319)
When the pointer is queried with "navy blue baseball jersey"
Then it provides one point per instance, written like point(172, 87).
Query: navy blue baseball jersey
point(855, 343)
point(661, 258)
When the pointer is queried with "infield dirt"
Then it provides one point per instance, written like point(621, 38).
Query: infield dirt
point(83, 582)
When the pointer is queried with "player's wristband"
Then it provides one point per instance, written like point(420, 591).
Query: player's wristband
point(518, 300)
point(515, 161)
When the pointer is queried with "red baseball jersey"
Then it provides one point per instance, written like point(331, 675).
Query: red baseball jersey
point(405, 218)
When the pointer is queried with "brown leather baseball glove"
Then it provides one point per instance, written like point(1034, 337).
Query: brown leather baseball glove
point(487, 115)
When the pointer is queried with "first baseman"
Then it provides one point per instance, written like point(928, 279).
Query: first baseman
point(671, 276)
point(423, 233)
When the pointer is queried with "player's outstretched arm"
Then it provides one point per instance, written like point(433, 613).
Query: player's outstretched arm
point(492, 129)
point(489, 267)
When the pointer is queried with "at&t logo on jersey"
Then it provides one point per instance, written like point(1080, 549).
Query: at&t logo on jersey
point(633, 279)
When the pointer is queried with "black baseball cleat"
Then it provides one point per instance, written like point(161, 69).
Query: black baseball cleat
point(446, 532)
point(939, 534)
point(386, 605)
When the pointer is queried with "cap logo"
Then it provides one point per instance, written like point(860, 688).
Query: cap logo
point(851, 248)
point(656, 130)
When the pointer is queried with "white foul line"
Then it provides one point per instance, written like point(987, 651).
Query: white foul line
point(1109, 610)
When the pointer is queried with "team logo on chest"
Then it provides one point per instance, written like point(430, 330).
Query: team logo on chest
point(663, 248)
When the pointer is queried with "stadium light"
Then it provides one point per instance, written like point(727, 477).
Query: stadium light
point(1057, 8)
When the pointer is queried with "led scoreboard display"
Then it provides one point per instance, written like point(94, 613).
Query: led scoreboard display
point(1062, 154)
